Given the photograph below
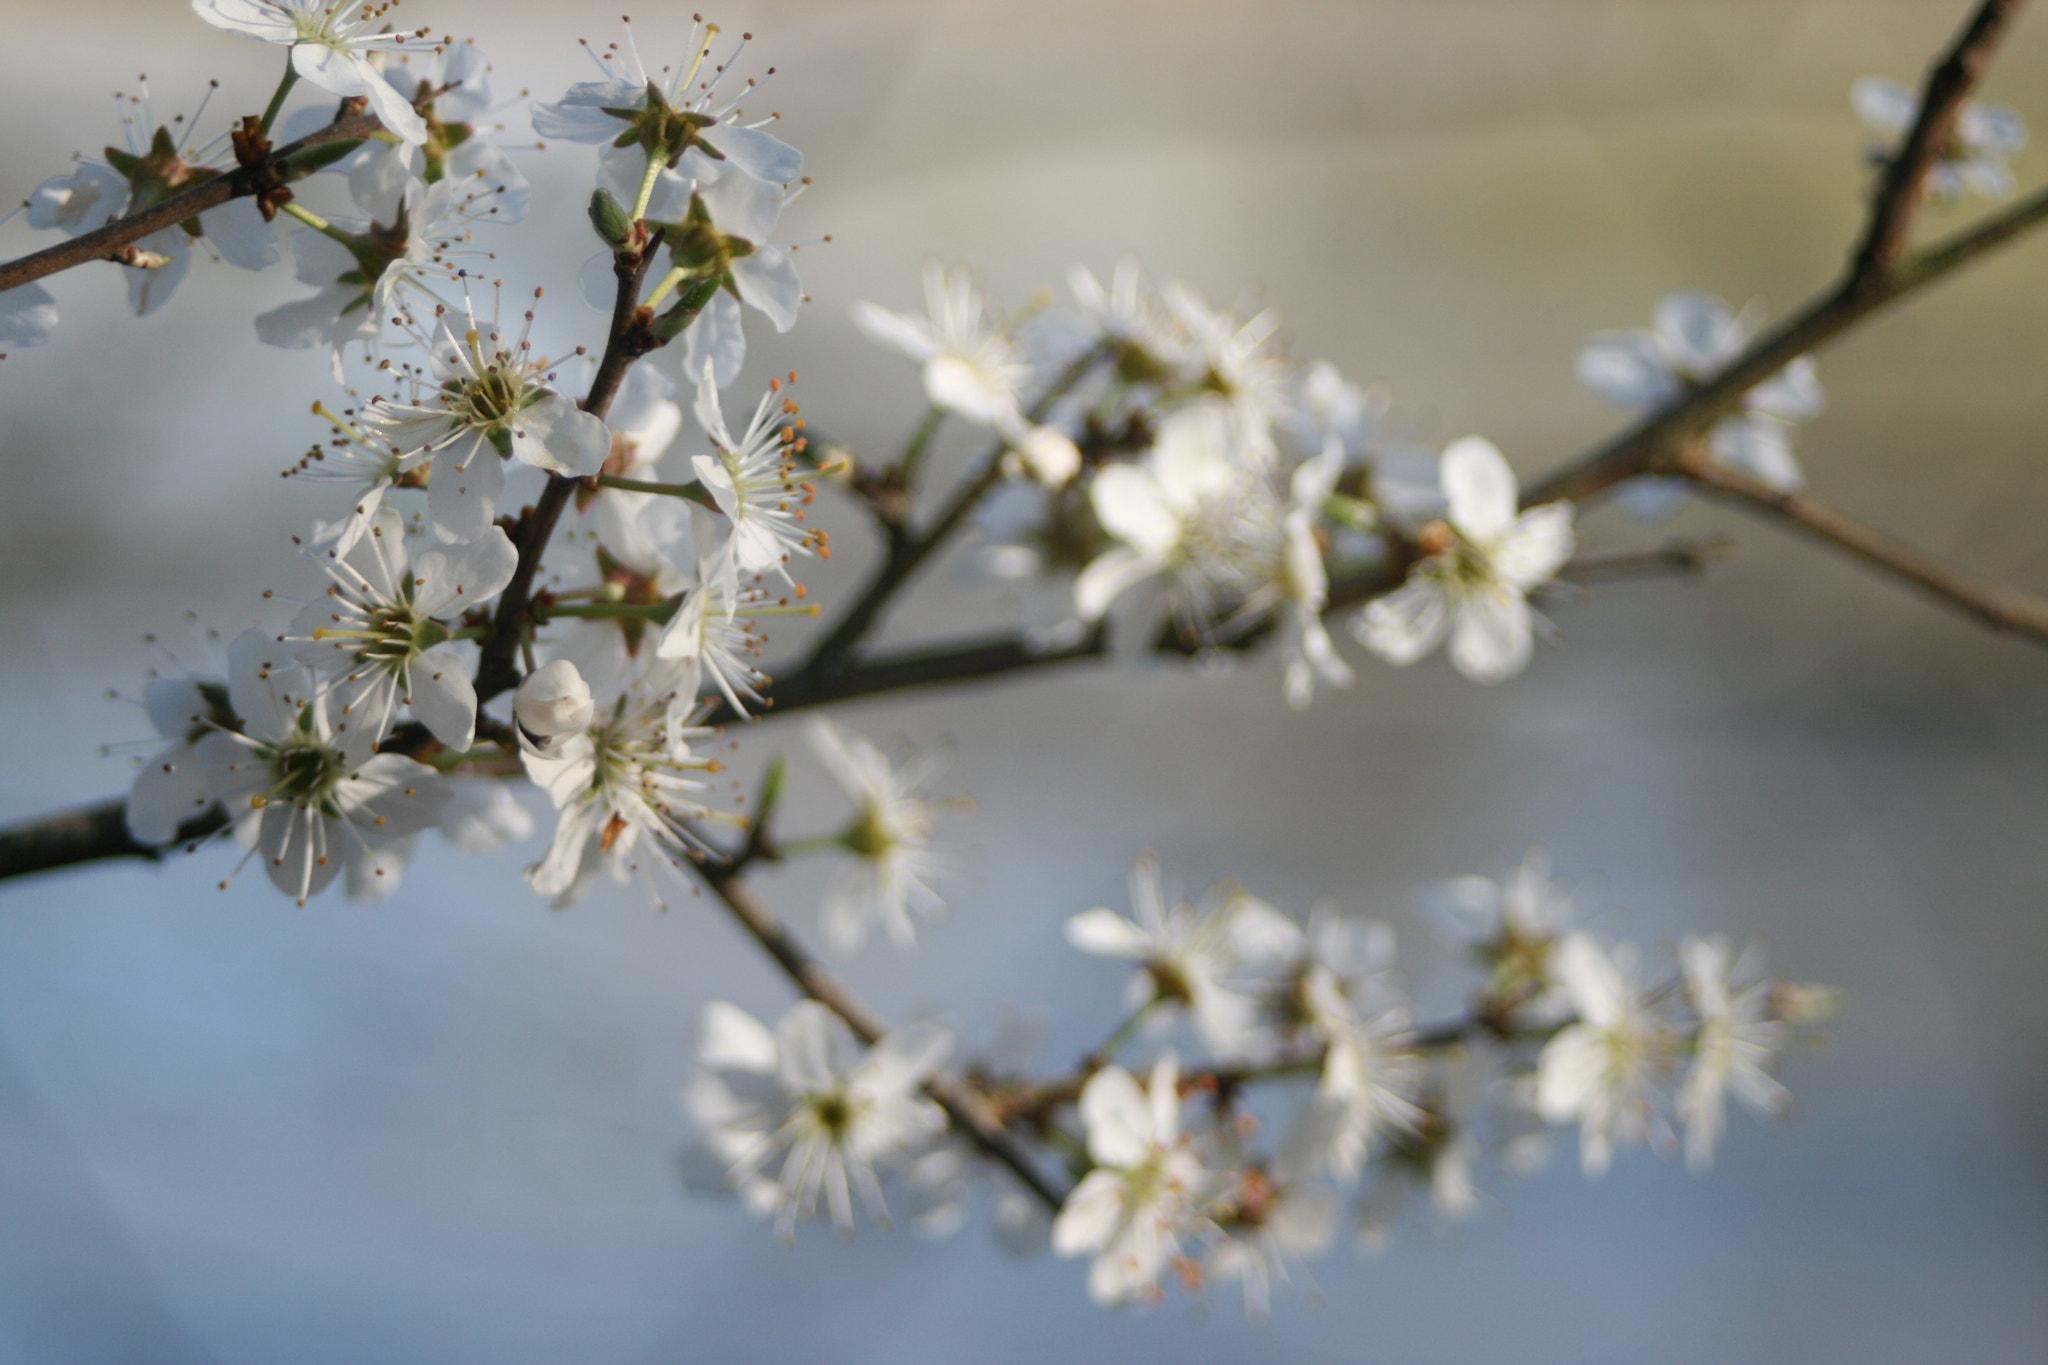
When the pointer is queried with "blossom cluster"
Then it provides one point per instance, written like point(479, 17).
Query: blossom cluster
point(1159, 463)
point(1305, 1031)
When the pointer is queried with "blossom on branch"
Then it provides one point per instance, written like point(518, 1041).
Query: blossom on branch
point(1985, 136)
point(1478, 568)
point(890, 838)
point(800, 1094)
point(330, 42)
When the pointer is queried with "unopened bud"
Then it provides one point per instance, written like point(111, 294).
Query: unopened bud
point(609, 219)
point(554, 701)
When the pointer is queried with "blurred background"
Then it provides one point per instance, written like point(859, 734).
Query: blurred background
point(444, 1127)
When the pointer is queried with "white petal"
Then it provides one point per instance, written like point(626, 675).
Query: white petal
point(767, 280)
point(556, 435)
point(716, 338)
point(1537, 546)
point(1480, 489)
point(730, 1039)
point(1760, 447)
point(1698, 332)
point(1628, 369)
point(760, 155)
point(1117, 1117)
point(1405, 624)
point(1884, 104)
point(1090, 1216)
point(28, 313)
point(448, 580)
point(898, 331)
point(1107, 934)
point(238, 232)
point(442, 695)
point(1493, 636)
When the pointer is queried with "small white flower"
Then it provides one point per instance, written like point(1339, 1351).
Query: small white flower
point(1188, 513)
point(1473, 585)
point(1142, 1197)
point(1230, 359)
point(1273, 1221)
point(1694, 338)
point(1735, 1046)
point(754, 482)
point(1189, 954)
point(835, 1118)
point(1514, 926)
point(330, 45)
point(627, 785)
point(1600, 1069)
point(1985, 135)
point(971, 366)
point(308, 796)
point(630, 97)
point(891, 838)
point(377, 272)
point(381, 635)
point(492, 402)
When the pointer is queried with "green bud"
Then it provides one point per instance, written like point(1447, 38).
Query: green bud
point(609, 219)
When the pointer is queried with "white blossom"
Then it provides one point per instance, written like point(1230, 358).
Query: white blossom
point(552, 704)
point(971, 366)
point(1189, 955)
point(306, 793)
point(1473, 583)
point(330, 41)
point(753, 480)
point(1142, 1197)
point(1737, 1042)
point(381, 637)
point(1600, 1070)
point(491, 402)
point(1693, 338)
point(890, 840)
point(830, 1116)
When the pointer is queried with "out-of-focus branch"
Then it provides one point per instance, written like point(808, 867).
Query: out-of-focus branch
point(1681, 558)
point(906, 552)
point(1880, 272)
point(1996, 606)
point(1903, 185)
point(969, 1111)
point(106, 243)
point(91, 833)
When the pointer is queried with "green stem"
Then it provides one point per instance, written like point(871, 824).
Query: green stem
point(284, 87)
point(693, 492)
point(654, 169)
point(798, 848)
point(316, 222)
point(920, 441)
point(667, 286)
point(614, 611)
point(1124, 1032)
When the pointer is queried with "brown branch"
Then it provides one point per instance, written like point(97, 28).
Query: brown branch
point(1877, 276)
point(968, 1109)
point(1902, 187)
point(626, 340)
point(1680, 557)
point(91, 833)
point(105, 243)
point(1998, 607)
point(906, 552)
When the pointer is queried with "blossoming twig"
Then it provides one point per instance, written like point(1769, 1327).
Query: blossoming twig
point(1941, 104)
point(103, 243)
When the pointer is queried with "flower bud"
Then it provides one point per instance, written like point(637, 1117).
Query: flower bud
point(609, 219)
point(553, 701)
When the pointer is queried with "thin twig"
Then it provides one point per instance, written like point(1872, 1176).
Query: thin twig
point(1994, 605)
point(1903, 185)
point(1680, 557)
point(103, 243)
point(969, 1111)
point(1878, 275)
